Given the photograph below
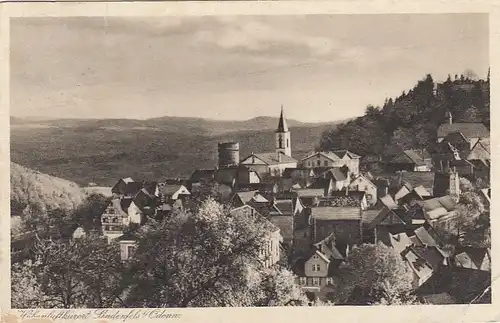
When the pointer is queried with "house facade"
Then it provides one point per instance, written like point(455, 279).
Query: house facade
point(269, 164)
point(335, 158)
point(410, 160)
point(361, 183)
point(270, 251)
point(473, 132)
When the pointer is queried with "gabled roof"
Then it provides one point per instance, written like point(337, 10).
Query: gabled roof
point(474, 258)
point(408, 157)
point(421, 191)
point(342, 152)
point(327, 247)
point(127, 180)
point(132, 188)
point(365, 178)
point(389, 202)
point(386, 217)
point(336, 213)
point(334, 155)
point(316, 252)
point(417, 264)
point(150, 187)
point(469, 130)
point(438, 207)
point(245, 197)
point(368, 215)
point(431, 255)
point(285, 207)
point(425, 179)
point(200, 174)
point(124, 203)
point(425, 238)
point(481, 150)
point(310, 192)
point(447, 202)
point(272, 158)
point(399, 241)
point(328, 154)
point(145, 192)
point(170, 189)
point(335, 173)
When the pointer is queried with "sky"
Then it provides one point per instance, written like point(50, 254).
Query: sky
point(319, 67)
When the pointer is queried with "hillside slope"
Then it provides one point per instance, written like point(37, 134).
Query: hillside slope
point(105, 154)
point(29, 187)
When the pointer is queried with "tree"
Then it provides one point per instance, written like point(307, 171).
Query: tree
point(465, 185)
point(371, 268)
point(206, 258)
point(26, 291)
point(88, 214)
point(470, 74)
point(390, 296)
point(84, 272)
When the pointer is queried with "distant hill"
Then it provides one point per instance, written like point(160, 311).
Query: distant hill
point(199, 126)
point(29, 187)
point(101, 151)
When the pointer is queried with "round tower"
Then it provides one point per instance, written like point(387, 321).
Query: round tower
point(229, 154)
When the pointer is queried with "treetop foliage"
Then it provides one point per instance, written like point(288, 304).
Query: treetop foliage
point(410, 121)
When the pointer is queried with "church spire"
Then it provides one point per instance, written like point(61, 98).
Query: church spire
point(282, 126)
point(283, 137)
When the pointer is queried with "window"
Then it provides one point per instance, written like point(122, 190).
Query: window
point(130, 250)
point(325, 163)
point(287, 143)
point(329, 281)
point(316, 267)
point(111, 211)
point(302, 281)
point(115, 220)
point(319, 162)
point(315, 281)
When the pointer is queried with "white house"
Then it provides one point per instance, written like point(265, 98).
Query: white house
point(335, 158)
point(363, 184)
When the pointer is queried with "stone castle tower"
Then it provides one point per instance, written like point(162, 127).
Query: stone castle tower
point(283, 141)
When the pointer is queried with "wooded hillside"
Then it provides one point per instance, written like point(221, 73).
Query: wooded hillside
point(41, 191)
point(410, 121)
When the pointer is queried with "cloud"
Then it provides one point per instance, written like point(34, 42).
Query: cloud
point(257, 36)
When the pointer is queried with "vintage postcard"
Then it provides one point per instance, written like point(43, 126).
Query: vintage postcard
point(248, 160)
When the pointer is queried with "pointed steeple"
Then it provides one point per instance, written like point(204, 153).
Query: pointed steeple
point(282, 126)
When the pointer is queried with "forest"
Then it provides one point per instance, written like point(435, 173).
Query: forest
point(410, 121)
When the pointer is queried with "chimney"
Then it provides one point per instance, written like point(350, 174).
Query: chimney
point(450, 118)
point(347, 190)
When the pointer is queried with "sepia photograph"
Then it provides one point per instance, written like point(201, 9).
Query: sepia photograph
point(250, 160)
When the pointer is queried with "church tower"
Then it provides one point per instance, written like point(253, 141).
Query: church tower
point(283, 137)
